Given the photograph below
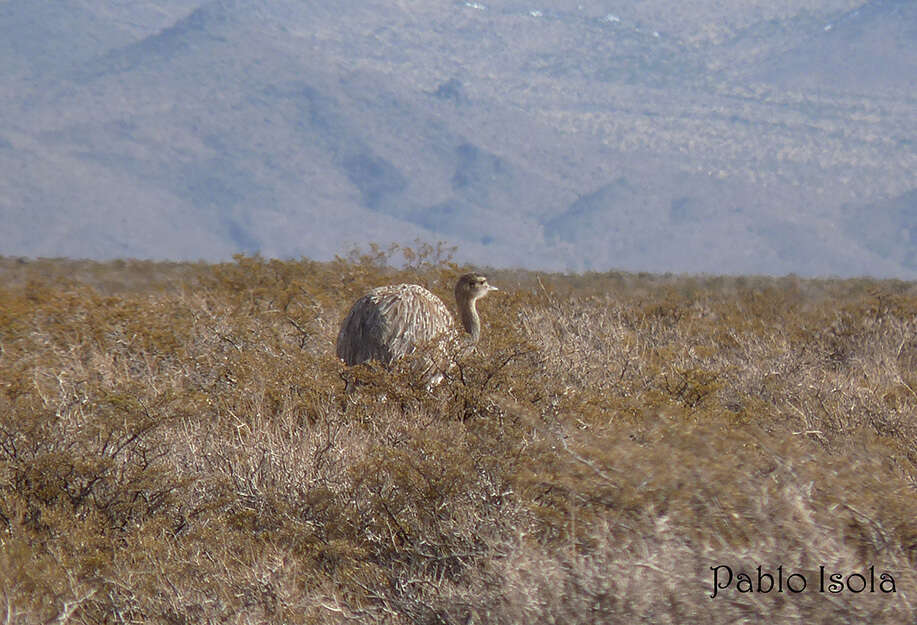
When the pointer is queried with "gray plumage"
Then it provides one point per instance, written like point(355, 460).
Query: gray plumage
point(391, 322)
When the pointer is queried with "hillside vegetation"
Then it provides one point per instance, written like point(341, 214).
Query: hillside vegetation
point(176, 446)
point(742, 137)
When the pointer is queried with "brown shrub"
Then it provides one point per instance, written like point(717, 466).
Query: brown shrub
point(176, 446)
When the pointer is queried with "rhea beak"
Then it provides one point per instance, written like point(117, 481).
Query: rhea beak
point(492, 288)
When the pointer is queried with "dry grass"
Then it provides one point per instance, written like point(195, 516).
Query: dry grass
point(176, 447)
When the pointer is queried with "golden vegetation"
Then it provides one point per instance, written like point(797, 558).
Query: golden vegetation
point(176, 447)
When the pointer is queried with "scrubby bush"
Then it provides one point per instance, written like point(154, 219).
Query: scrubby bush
point(177, 446)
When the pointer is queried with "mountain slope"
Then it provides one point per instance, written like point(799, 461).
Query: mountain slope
point(291, 128)
point(867, 50)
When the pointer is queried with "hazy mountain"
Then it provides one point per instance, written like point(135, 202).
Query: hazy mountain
point(887, 227)
point(589, 135)
point(869, 50)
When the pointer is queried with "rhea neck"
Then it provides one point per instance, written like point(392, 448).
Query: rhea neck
point(468, 313)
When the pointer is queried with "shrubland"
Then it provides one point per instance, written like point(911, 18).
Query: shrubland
point(177, 446)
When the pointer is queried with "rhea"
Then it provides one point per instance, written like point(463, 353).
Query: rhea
point(391, 322)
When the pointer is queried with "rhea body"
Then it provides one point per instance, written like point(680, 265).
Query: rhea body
point(391, 322)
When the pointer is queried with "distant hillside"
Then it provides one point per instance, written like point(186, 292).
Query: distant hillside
point(289, 128)
point(869, 50)
point(887, 227)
